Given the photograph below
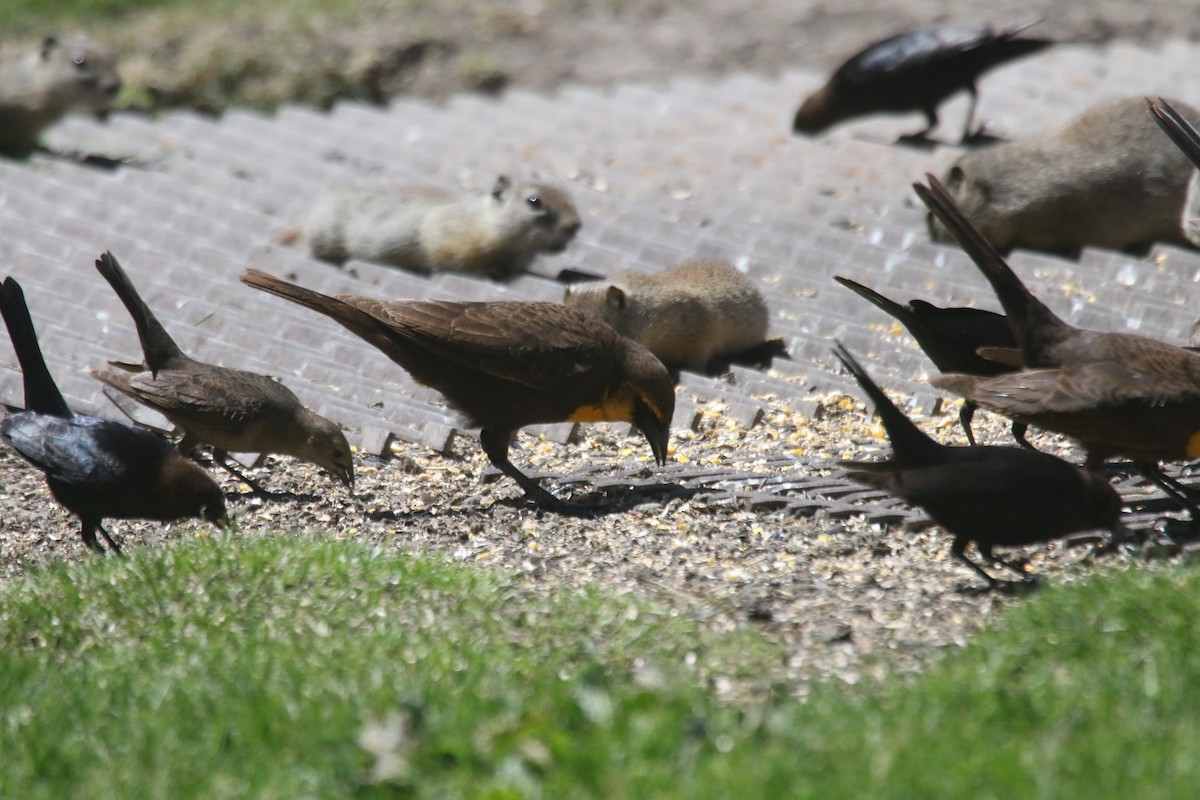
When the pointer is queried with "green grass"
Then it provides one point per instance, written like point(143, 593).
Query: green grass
point(237, 669)
point(210, 55)
point(294, 668)
point(23, 15)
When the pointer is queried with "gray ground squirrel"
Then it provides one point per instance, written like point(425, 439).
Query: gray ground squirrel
point(1110, 178)
point(64, 75)
point(1191, 211)
point(422, 228)
point(688, 315)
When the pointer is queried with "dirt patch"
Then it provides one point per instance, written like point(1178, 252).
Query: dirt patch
point(177, 57)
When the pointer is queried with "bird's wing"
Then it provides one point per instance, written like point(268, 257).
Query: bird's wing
point(210, 396)
point(80, 450)
point(915, 50)
point(537, 344)
point(1077, 388)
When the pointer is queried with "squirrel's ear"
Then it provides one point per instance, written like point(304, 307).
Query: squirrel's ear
point(48, 45)
point(955, 177)
point(502, 186)
point(616, 298)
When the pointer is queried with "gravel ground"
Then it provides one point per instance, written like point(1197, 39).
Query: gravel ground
point(847, 598)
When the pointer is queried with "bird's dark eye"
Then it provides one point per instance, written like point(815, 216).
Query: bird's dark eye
point(534, 202)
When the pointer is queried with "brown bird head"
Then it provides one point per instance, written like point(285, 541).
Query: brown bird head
point(199, 496)
point(643, 395)
point(654, 427)
point(816, 113)
point(215, 514)
point(326, 446)
point(1106, 506)
point(182, 489)
point(647, 398)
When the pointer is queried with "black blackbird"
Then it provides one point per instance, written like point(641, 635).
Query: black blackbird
point(96, 467)
point(1119, 394)
point(951, 338)
point(914, 71)
point(1179, 129)
point(229, 409)
point(988, 495)
point(508, 365)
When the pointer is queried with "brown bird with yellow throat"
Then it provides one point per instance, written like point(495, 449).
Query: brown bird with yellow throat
point(506, 365)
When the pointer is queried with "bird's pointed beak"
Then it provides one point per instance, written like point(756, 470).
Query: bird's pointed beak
point(346, 476)
point(656, 431)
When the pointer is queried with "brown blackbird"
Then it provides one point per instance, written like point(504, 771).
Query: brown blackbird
point(229, 409)
point(1119, 394)
point(987, 494)
point(508, 365)
point(1043, 338)
point(950, 337)
point(1179, 129)
point(97, 467)
point(915, 71)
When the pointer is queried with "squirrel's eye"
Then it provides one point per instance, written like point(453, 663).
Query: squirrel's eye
point(79, 61)
point(534, 201)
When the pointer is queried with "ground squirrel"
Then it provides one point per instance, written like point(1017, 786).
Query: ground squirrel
point(688, 315)
point(72, 74)
point(427, 229)
point(1108, 179)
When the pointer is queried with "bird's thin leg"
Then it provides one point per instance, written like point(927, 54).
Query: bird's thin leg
point(922, 138)
point(1172, 488)
point(88, 532)
point(968, 134)
point(113, 546)
point(959, 551)
point(985, 550)
point(495, 445)
point(1019, 429)
point(221, 457)
point(965, 414)
point(190, 447)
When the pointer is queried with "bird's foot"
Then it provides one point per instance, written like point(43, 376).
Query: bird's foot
point(920, 141)
point(548, 502)
point(1013, 587)
point(980, 137)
